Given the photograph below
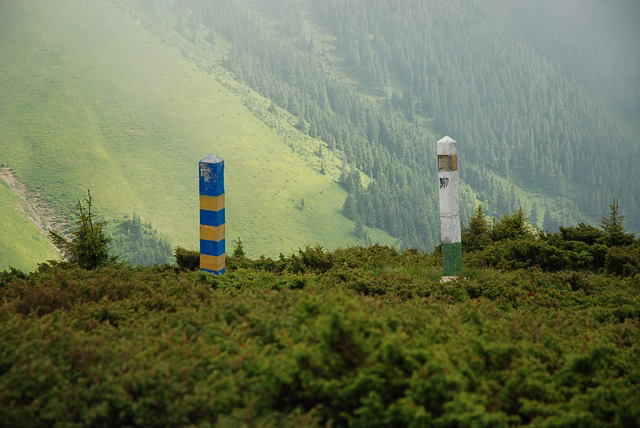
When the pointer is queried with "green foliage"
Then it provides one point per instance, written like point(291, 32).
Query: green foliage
point(138, 243)
point(361, 336)
point(583, 233)
point(88, 246)
point(311, 259)
point(623, 261)
point(238, 251)
point(478, 234)
point(513, 226)
point(613, 229)
point(513, 243)
point(522, 254)
point(187, 259)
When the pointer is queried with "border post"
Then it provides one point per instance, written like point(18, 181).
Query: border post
point(212, 216)
point(448, 178)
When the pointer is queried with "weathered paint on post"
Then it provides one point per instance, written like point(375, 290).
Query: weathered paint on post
point(212, 215)
point(448, 178)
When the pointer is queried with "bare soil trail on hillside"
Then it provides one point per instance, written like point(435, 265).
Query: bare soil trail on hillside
point(33, 207)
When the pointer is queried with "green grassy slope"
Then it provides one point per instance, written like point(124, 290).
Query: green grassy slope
point(22, 244)
point(89, 99)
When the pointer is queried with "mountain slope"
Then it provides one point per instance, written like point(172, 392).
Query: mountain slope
point(90, 99)
point(372, 84)
point(22, 244)
point(377, 79)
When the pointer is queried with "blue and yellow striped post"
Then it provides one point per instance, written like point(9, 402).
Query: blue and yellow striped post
point(212, 257)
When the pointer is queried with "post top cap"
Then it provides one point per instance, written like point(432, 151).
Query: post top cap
point(447, 146)
point(211, 158)
point(446, 139)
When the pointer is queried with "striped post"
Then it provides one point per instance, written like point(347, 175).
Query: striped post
point(449, 206)
point(212, 221)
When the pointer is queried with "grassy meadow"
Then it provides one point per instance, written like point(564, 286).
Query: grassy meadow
point(90, 99)
point(20, 240)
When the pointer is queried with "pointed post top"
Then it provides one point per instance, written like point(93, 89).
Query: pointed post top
point(211, 158)
point(446, 139)
point(211, 175)
point(447, 146)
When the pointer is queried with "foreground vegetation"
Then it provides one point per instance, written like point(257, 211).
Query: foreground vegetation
point(361, 337)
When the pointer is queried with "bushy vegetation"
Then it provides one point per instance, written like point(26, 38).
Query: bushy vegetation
point(514, 243)
point(358, 337)
point(187, 259)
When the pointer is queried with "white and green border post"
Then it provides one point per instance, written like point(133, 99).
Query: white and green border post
point(448, 178)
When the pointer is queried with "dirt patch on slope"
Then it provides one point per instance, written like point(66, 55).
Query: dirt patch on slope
point(32, 206)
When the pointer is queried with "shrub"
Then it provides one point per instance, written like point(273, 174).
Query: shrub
point(521, 254)
point(477, 235)
point(364, 344)
point(623, 261)
point(514, 226)
point(582, 232)
point(187, 259)
point(598, 253)
point(310, 259)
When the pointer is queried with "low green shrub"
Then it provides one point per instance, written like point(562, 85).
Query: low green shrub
point(521, 254)
point(582, 233)
point(371, 339)
point(187, 259)
point(623, 261)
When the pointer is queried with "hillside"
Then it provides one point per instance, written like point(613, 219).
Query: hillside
point(90, 99)
point(378, 80)
point(22, 243)
point(290, 92)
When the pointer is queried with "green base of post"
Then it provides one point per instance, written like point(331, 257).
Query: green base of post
point(452, 258)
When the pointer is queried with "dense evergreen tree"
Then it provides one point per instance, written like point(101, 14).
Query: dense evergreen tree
point(613, 228)
point(88, 246)
point(477, 234)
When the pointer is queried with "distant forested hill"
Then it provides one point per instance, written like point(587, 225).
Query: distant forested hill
point(382, 80)
point(513, 110)
point(595, 42)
